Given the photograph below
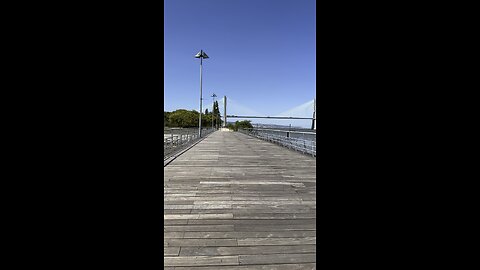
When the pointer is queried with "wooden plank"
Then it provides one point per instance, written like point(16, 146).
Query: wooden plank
point(174, 234)
point(174, 194)
point(276, 241)
point(177, 207)
point(198, 198)
point(171, 251)
point(199, 216)
point(295, 234)
point(260, 222)
point(274, 258)
point(198, 228)
point(260, 210)
point(212, 206)
point(252, 215)
point(175, 222)
point(198, 242)
point(245, 250)
point(190, 202)
point(297, 184)
point(290, 202)
point(265, 198)
point(270, 228)
point(200, 260)
point(306, 266)
point(180, 211)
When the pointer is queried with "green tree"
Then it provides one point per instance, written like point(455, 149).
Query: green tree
point(206, 120)
point(183, 118)
point(231, 126)
point(243, 124)
point(216, 115)
point(165, 119)
point(240, 125)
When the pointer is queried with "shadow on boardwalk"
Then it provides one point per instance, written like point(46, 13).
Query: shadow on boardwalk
point(237, 202)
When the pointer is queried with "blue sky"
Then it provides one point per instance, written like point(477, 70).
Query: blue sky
point(262, 53)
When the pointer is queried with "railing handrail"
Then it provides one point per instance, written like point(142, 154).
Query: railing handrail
point(307, 147)
point(283, 130)
point(174, 143)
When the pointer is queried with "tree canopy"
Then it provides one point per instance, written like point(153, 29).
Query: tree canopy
point(240, 124)
point(184, 118)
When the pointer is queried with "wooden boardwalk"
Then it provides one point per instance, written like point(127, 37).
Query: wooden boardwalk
point(237, 202)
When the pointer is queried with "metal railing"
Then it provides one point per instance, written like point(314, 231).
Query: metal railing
point(177, 139)
point(305, 142)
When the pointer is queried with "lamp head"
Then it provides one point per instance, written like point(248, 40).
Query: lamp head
point(201, 54)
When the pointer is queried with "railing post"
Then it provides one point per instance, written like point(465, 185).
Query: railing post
point(313, 151)
point(304, 144)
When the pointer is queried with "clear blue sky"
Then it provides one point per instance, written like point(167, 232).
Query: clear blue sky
point(262, 53)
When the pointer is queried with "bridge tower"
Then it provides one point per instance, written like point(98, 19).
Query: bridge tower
point(224, 111)
point(314, 120)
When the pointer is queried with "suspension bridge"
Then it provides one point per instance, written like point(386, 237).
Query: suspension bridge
point(243, 200)
point(305, 111)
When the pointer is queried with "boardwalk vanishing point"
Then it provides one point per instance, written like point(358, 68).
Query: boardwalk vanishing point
point(236, 202)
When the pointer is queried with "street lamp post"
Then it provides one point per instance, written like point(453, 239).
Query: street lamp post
point(213, 107)
point(202, 55)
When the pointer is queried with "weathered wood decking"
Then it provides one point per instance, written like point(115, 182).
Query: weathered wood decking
point(237, 202)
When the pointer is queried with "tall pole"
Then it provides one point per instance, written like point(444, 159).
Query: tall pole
point(200, 117)
point(315, 113)
point(200, 55)
point(213, 108)
point(314, 120)
point(225, 111)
